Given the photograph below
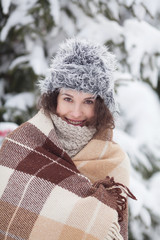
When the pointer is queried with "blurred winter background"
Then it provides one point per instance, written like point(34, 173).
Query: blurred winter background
point(30, 33)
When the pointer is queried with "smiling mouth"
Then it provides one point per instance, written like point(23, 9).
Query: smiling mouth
point(76, 123)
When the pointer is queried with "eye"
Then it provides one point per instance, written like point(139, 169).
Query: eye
point(68, 99)
point(89, 101)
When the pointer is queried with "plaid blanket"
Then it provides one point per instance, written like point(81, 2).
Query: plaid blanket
point(43, 195)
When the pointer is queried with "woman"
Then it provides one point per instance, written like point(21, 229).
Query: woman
point(61, 175)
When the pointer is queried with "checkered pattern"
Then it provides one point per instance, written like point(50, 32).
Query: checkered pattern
point(42, 193)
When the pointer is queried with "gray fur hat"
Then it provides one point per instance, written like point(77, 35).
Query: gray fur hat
point(84, 66)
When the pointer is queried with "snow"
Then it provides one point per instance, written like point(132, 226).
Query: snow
point(128, 3)
point(155, 191)
point(140, 120)
point(21, 101)
point(152, 198)
point(148, 194)
point(101, 30)
point(67, 21)
point(37, 57)
point(5, 5)
point(138, 130)
point(145, 41)
point(93, 7)
point(55, 10)
point(132, 146)
point(114, 8)
point(5, 129)
point(152, 8)
point(140, 99)
point(7, 125)
point(18, 17)
point(139, 11)
point(18, 61)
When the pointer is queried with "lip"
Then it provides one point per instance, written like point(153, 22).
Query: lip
point(75, 122)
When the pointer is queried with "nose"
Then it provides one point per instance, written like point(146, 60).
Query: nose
point(76, 112)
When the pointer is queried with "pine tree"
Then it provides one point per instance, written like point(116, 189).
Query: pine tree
point(30, 34)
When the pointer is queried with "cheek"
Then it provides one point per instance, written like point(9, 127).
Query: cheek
point(60, 108)
point(63, 108)
point(90, 112)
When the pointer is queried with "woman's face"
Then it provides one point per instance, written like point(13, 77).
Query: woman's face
point(75, 107)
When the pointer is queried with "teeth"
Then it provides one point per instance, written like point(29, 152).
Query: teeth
point(74, 123)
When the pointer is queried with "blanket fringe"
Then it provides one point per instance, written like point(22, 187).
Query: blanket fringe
point(117, 190)
point(114, 232)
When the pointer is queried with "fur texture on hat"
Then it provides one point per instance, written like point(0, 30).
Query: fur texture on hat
point(84, 66)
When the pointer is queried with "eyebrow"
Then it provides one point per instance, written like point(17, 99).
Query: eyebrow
point(90, 98)
point(67, 94)
point(73, 97)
